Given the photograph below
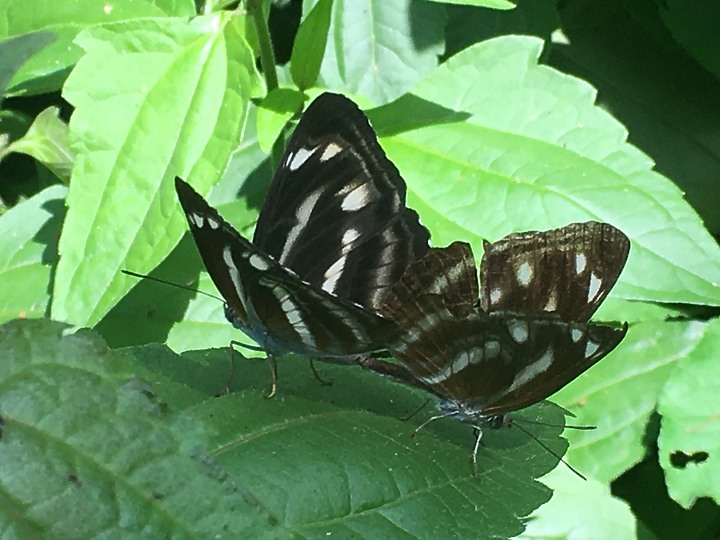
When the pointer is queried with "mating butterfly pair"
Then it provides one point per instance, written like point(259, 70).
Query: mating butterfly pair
point(340, 267)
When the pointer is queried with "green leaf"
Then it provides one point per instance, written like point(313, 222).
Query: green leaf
point(693, 24)
point(536, 153)
point(310, 43)
point(594, 512)
point(90, 449)
point(28, 252)
point(46, 141)
point(279, 106)
point(619, 395)
point(14, 52)
point(154, 99)
point(46, 70)
point(380, 49)
point(132, 441)
point(689, 439)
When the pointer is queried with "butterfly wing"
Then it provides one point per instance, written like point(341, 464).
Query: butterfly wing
point(490, 362)
point(268, 301)
point(567, 271)
point(335, 212)
point(448, 272)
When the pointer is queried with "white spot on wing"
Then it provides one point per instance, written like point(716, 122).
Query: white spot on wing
point(356, 199)
point(332, 275)
point(595, 283)
point(234, 275)
point(524, 274)
point(580, 263)
point(257, 262)
point(518, 330)
point(349, 236)
point(300, 157)
point(197, 220)
point(476, 355)
point(331, 150)
point(532, 370)
point(492, 349)
point(575, 335)
point(214, 223)
point(302, 216)
point(551, 304)
point(590, 348)
point(294, 316)
point(495, 295)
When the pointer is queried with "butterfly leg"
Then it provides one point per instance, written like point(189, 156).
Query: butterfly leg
point(317, 376)
point(273, 375)
point(226, 388)
point(426, 422)
point(475, 451)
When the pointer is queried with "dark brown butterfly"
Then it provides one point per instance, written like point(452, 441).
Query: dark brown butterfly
point(527, 336)
point(332, 237)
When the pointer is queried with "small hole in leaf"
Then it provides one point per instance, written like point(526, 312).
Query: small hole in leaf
point(680, 459)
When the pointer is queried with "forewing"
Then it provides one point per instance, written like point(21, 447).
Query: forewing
point(567, 271)
point(335, 212)
point(213, 235)
point(277, 309)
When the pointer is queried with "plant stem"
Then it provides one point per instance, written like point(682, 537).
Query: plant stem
point(267, 60)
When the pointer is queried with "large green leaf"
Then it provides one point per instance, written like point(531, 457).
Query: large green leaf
point(132, 442)
point(537, 153)
point(154, 99)
point(91, 450)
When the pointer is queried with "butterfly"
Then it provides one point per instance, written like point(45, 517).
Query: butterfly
point(522, 334)
point(332, 237)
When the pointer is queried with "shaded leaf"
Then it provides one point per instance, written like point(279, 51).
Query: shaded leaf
point(15, 51)
point(46, 71)
point(309, 47)
point(46, 141)
point(28, 251)
point(90, 449)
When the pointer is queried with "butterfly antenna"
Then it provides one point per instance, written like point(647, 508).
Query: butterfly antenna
point(551, 451)
point(420, 408)
point(540, 423)
point(172, 284)
point(197, 291)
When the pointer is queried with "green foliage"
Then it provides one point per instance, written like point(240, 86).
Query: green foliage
point(106, 432)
